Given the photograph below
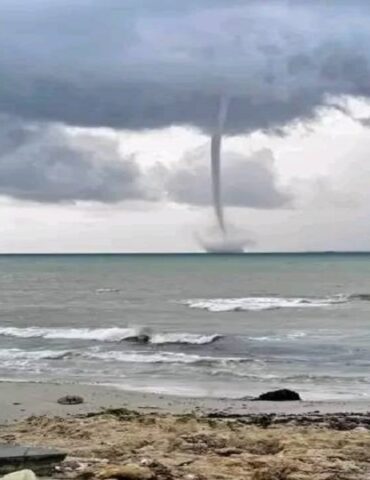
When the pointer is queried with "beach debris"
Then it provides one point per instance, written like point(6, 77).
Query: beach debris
point(41, 460)
point(282, 395)
point(85, 474)
point(20, 475)
point(71, 400)
point(192, 476)
point(120, 413)
point(280, 470)
point(81, 468)
point(70, 467)
point(264, 421)
point(228, 451)
point(159, 471)
point(232, 449)
point(341, 424)
point(361, 429)
point(131, 471)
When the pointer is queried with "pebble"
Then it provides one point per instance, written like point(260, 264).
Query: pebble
point(20, 475)
point(70, 400)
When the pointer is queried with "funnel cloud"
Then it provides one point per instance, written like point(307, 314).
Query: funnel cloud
point(216, 143)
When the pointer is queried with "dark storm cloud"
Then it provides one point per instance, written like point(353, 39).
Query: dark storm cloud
point(155, 63)
point(247, 182)
point(48, 163)
point(45, 164)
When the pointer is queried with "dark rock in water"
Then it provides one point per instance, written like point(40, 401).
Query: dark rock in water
point(71, 400)
point(283, 395)
point(40, 460)
point(361, 296)
point(142, 338)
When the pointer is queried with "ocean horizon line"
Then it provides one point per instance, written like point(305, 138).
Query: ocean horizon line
point(200, 254)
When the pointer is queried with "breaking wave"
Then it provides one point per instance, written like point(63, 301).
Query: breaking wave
point(183, 338)
point(166, 357)
point(279, 338)
point(263, 303)
point(147, 357)
point(113, 334)
point(31, 355)
point(110, 334)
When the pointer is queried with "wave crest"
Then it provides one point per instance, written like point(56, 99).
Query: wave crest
point(112, 334)
point(15, 357)
point(262, 303)
point(183, 338)
point(32, 355)
point(109, 334)
point(165, 357)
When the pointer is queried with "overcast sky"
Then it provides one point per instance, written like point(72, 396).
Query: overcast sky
point(107, 107)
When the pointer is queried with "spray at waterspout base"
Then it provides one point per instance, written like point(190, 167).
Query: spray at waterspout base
point(224, 247)
point(231, 240)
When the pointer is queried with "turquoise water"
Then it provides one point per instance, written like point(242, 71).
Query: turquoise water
point(213, 325)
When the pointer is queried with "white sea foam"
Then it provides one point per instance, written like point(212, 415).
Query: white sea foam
point(112, 334)
point(14, 357)
point(183, 338)
point(109, 334)
point(280, 338)
point(262, 303)
point(30, 355)
point(146, 357)
point(162, 357)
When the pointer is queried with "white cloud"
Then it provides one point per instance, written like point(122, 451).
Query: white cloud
point(325, 164)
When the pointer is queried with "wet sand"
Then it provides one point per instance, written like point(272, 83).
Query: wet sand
point(21, 400)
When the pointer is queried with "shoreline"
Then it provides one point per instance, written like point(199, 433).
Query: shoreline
point(20, 400)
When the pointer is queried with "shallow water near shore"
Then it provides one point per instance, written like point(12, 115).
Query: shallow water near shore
point(222, 326)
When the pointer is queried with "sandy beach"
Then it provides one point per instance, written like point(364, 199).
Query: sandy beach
point(182, 438)
point(23, 399)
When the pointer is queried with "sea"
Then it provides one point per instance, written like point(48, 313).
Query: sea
point(199, 325)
